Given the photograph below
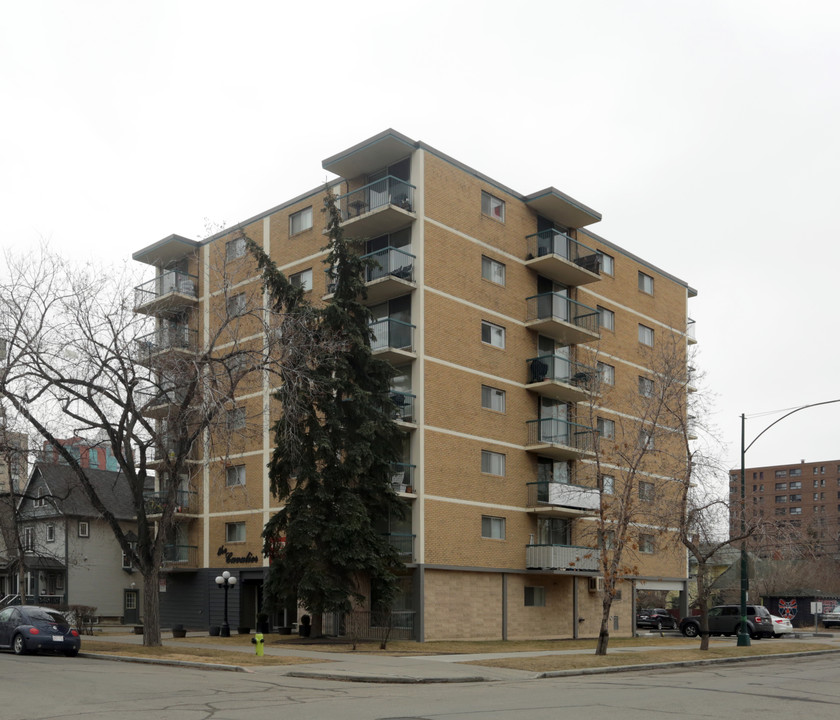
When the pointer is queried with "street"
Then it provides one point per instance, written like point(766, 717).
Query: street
point(40, 687)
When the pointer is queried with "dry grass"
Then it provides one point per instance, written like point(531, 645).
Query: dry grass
point(191, 654)
point(547, 663)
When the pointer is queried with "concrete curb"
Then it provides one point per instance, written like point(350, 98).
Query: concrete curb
point(161, 661)
point(391, 679)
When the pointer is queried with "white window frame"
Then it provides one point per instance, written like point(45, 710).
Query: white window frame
point(646, 544)
point(493, 463)
point(645, 386)
point(302, 279)
point(795, 511)
point(493, 270)
point(645, 283)
point(235, 248)
point(646, 439)
point(492, 207)
point(608, 484)
point(606, 428)
point(236, 419)
point(50, 532)
point(492, 527)
point(647, 491)
point(534, 596)
point(606, 318)
point(492, 398)
point(29, 538)
point(233, 530)
point(301, 221)
point(492, 334)
point(646, 335)
point(607, 263)
point(235, 476)
point(236, 305)
point(606, 373)
point(84, 529)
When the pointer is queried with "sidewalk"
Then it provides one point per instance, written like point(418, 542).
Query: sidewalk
point(358, 667)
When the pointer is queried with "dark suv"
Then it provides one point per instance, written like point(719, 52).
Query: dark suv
point(726, 620)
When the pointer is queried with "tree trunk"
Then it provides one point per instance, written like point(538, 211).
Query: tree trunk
point(151, 607)
point(604, 634)
point(703, 603)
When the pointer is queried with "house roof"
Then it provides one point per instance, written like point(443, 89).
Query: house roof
point(69, 496)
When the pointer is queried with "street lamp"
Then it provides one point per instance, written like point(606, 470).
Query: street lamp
point(743, 631)
point(225, 582)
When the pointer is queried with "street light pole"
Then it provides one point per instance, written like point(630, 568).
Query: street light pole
point(225, 582)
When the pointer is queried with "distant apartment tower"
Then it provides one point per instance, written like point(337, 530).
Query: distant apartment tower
point(497, 311)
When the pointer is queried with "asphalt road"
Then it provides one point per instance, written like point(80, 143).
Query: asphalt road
point(41, 687)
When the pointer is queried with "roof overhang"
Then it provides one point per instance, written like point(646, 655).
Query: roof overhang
point(372, 154)
point(166, 251)
point(562, 209)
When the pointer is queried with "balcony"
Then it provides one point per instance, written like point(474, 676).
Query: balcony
point(393, 340)
point(561, 318)
point(404, 544)
point(380, 207)
point(169, 292)
point(691, 332)
point(160, 404)
point(167, 446)
point(402, 477)
point(186, 502)
point(180, 557)
point(390, 273)
point(555, 255)
point(560, 378)
point(167, 339)
point(554, 499)
point(562, 557)
point(560, 439)
point(404, 410)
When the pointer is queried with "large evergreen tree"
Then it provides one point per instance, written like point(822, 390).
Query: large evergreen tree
point(335, 442)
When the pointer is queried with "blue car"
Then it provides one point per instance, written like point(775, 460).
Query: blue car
point(29, 628)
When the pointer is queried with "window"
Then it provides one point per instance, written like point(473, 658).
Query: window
point(647, 491)
point(761, 488)
point(28, 539)
point(795, 485)
point(492, 206)
point(302, 279)
point(606, 318)
point(236, 475)
point(492, 334)
point(300, 221)
point(645, 387)
point(607, 263)
point(816, 483)
point(781, 499)
point(41, 500)
point(492, 527)
point(646, 439)
point(646, 543)
point(781, 473)
point(50, 533)
point(645, 283)
point(235, 532)
point(607, 373)
point(236, 419)
point(816, 497)
point(534, 597)
point(796, 511)
point(492, 463)
point(236, 305)
point(609, 539)
point(645, 335)
point(607, 484)
point(126, 561)
point(84, 528)
point(781, 511)
point(781, 486)
point(797, 498)
point(235, 248)
point(492, 270)
point(795, 472)
point(492, 398)
point(606, 428)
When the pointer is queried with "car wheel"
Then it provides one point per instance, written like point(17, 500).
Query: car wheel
point(19, 645)
point(659, 625)
point(691, 630)
point(71, 653)
point(674, 624)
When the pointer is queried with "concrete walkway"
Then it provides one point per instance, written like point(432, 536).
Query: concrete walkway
point(361, 667)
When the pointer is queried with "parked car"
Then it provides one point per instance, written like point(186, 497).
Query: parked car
point(781, 626)
point(657, 618)
point(831, 619)
point(726, 620)
point(29, 628)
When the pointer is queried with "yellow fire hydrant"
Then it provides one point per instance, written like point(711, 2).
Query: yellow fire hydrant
point(259, 642)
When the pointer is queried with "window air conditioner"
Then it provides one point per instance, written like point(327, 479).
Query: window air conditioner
point(596, 584)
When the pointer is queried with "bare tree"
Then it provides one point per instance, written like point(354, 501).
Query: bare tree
point(144, 379)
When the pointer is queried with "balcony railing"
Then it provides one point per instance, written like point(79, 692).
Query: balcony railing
point(390, 333)
point(404, 403)
point(562, 557)
point(559, 369)
point(563, 495)
point(554, 431)
point(185, 502)
point(389, 261)
point(171, 282)
point(180, 557)
point(168, 338)
point(561, 317)
point(558, 244)
point(402, 477)
point(404, 544)
point(389, 190)
point(691, 331)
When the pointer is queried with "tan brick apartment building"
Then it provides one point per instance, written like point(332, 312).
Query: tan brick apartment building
point(496, 309)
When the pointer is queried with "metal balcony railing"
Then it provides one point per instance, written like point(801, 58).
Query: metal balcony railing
point(389, 190)
point(404, 403)
point(402, 477)
point(554, 242)
point(563, 495)
point(390, 333)
point(185, 556)
point(560, 369)
point(185, 501)
point(691, 331)
point(561, 432)
point(558, 307)
point(562, 557)
point(168, 337)
point(389, 261)
point(171, 281)
point(404, 544)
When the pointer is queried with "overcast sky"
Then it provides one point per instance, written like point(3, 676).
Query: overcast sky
point(706, 133)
